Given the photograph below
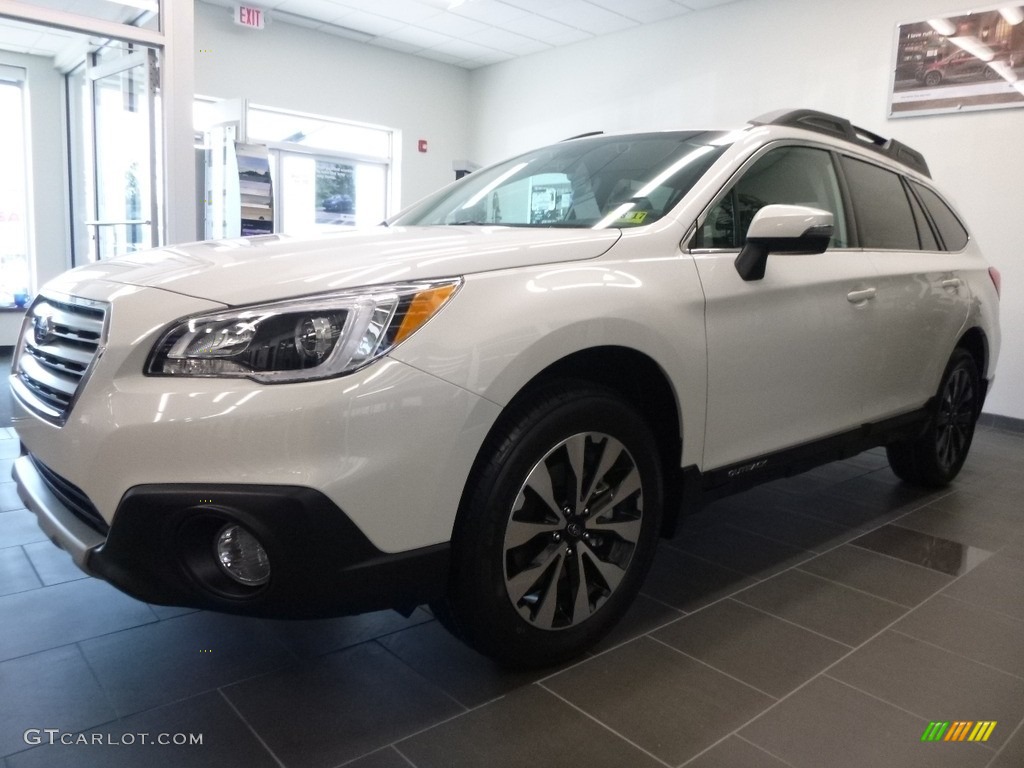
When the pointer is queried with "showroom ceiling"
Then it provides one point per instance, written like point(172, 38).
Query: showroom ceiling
point(473, 33)
point(467, 33)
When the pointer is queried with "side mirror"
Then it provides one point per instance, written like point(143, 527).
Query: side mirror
point(783, 229)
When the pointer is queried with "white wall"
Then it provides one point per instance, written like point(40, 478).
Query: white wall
point(47, 174)
point(720, 67)
point(295, 68)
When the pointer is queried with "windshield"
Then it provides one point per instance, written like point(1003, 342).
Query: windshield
point(595, 182)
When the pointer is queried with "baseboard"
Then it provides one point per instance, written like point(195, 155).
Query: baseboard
point(1008, 423)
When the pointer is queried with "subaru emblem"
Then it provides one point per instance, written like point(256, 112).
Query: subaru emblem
point(42, 330)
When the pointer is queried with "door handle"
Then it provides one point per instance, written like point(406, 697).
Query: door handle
point(859, 297)
point(952, 283)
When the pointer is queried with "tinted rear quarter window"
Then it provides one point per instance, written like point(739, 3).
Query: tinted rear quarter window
point(952, 232)
point(880, 204)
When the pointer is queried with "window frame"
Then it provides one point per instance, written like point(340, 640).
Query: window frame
point(907, 181)
point(730, 185)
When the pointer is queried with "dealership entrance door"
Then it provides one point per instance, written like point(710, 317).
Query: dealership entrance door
point(123, 174)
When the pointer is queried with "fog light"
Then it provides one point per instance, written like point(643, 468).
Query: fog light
point(241, 556)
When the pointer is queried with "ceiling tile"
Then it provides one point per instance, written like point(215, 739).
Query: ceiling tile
point(365, 5)
point(509, 42)
point(409, 11)
point(537, 27)
point(370, 23)
point(588, 17)
point(644, 11)
point(492, 12)
point(424, 38)
point(454, 25)
point(323, 10)
point(570, 37)
point(534, 6)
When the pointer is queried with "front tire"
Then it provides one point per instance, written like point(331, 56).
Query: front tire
point(557, 528)
point(934, 458)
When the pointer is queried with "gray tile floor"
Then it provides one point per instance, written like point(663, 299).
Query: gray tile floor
point(823, 620)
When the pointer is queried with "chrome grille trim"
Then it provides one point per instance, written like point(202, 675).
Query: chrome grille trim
point(61, 339)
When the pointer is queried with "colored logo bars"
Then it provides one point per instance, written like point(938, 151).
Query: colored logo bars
point(959, 730)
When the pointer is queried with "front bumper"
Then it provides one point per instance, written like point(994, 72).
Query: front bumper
point(160, 548)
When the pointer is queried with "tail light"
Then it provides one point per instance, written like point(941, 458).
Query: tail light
point(997, 280)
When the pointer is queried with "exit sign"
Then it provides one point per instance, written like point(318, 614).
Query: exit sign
point(248, 16)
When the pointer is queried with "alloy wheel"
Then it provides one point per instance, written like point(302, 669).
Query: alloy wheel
point(955, 419)
point(572, 531)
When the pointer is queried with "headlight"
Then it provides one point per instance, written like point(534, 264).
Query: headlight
point(302, 339)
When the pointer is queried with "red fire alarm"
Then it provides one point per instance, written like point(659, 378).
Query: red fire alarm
point(422, 145)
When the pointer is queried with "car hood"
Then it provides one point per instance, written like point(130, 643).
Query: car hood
point(269, 267)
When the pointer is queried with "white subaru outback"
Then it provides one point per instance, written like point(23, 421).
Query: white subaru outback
point(497, 401)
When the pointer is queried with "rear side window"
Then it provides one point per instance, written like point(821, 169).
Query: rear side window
point(881, 207)
point(952, 232)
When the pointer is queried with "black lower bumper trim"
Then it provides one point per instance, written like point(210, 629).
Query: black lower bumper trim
point(161, 549)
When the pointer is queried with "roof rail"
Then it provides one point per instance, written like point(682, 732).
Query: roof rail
point(840, 127)
point(585, 135)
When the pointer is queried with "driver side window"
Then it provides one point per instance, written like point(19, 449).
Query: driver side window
point(789, 175)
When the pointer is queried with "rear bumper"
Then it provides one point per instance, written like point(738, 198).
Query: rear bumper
point(160, 548)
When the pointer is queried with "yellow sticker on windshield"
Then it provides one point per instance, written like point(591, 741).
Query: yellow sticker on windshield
point(634, 217)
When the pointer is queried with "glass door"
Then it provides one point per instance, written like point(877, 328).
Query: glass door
point(124, 198)
point(15, 255)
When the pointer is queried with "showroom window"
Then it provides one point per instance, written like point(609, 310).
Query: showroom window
point(329, 173)
point(15, 252)
point(325, 173)
point(789, 175)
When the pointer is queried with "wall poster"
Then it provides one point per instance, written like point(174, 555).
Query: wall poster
point(968, 61)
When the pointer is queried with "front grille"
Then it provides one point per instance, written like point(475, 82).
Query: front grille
point(59, 341)
point(72, 497)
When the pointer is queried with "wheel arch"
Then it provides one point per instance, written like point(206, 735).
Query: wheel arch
point(635, 377)
point(976, 343)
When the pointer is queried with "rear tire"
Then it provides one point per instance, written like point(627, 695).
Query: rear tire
point(556, 530)
point(935, 457)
